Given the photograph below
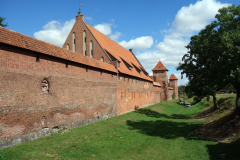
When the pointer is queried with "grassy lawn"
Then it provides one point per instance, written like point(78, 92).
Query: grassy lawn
point(225, 95)
point(163, 132)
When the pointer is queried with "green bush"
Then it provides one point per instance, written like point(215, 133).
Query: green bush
point(173, 95)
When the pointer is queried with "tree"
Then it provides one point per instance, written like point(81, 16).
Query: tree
point(2, 21)
point(213, 58)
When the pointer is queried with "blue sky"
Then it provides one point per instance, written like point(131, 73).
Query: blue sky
point(154, 29)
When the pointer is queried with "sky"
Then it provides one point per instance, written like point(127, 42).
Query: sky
point(154, 29)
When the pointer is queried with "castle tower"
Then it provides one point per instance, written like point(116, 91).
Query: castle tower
point(160, 75)
point(173, 81)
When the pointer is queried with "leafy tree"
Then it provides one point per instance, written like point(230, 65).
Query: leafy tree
point(2, 22)
point(213, 58)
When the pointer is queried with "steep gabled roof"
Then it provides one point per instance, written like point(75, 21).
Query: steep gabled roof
point(20, 40)
point(173, 77)
point(160, 67)
point(121, 54)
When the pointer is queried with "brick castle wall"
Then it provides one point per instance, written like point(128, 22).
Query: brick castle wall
point(135, 93)
point(77, 95)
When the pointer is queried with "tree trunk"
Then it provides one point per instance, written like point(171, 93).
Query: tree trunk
point(215, 102)
point(238, 100)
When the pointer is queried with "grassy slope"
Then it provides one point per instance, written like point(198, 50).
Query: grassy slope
point(162, 131)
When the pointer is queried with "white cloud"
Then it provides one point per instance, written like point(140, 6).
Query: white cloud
point(104, 28)
point(88, 18)
point(188, 21)
point(196, 16)
point(54, 32)
point(115, 36)
point(138, 43)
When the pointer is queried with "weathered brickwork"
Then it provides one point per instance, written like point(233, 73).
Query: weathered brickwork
point(45, 88)
point(162, 78)
point(170, 93)
point(173, 81)
point(174, 85)
point(77, 95)
point(134, 93)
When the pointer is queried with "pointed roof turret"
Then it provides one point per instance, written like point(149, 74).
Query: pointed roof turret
point(160, 67)
point(173, 77)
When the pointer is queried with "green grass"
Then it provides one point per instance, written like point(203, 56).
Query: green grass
point(162, 131)
point(225, 95)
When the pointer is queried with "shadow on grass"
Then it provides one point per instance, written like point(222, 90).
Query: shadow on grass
point(156, 114)
point(225, 127)
point(165, 129)
point(205, 114)
point(224, 151)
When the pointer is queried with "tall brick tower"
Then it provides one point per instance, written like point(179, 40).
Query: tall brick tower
point(160, 75)
point(173, 81)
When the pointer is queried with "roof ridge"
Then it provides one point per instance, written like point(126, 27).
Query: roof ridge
point(120, 53)
point(159, 67)
point(22, 41)
point(173, 77)
point(96, 40)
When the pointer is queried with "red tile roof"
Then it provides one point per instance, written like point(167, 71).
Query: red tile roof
point(160, 67)
point(121, 54)
point(20, 40)
point(170, 88)
point(173, 77)
point(156, 84)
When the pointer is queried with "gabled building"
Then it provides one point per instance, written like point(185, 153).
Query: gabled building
point(135, 87)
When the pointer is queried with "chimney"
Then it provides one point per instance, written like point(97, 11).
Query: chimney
point(130, 50)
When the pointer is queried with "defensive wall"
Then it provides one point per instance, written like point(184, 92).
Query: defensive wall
point(45, 88)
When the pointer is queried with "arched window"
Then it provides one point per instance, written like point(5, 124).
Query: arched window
point(91, 49)
point(84, 43)
point(68, 47)
point(102, 59)
point(74, 42)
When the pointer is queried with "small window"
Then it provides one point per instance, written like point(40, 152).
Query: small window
point(102, 59)
point(68, 47)
point(66, 64)
point(74, 42)
point(118, 64)
point(91, 49)
point(84, 43)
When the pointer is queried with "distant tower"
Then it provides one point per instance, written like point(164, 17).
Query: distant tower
point(173, 81)
point(160, 75)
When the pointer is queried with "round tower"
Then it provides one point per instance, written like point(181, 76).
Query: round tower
point(173, 81)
